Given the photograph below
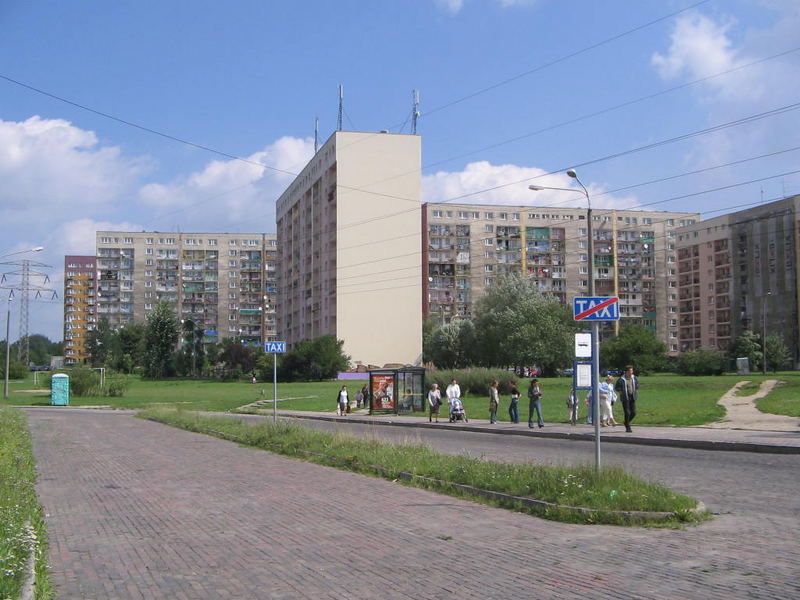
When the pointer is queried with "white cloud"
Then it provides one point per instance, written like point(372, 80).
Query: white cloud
point(455, 6)
point(49, 166)
point(236, 194)
point(484, 183)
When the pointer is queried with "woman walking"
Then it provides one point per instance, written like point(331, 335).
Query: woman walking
point(494, 401)
point(434, 402)
point(607, 398)
point(341, 401)
point(535, 403)
point(513, 407)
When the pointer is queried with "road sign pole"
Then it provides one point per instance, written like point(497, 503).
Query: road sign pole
point(274, 387)
point(596, 391)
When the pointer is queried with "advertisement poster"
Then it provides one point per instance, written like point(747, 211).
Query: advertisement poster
point(383, 392)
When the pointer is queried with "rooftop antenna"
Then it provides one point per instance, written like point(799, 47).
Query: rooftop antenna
point(341, 108)
point(415, 112)
point(316, 135)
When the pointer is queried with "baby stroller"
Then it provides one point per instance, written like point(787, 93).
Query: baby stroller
point(457, 413)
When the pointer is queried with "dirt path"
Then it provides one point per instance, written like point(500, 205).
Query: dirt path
point(741, 411)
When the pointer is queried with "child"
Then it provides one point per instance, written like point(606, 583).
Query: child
point(572, 406)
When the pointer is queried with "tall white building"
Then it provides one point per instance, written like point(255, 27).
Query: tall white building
point(349, 239)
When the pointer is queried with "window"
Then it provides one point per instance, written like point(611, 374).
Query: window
point(232, 295)
point(148, 251)
point(488, 242)
point(232, 253)
point(232, 242)
point(582, 231)
point(148, 273)
point(489, 228)
point(148, 262)
point(503, 216)
point(105, 240)
point(488, 215)
point(583, 270)
point(128, 240)
point(476, 215)
point(671, 222)
point(233, 306)
point(232, 284)
point(583, 258)
point(232, 263)
point(488, 268)
point(488, 281)
point(437, 214)
point(515, 216)
point(462, 214)
point(233, 274)
point(148, 306)
point(148, 284)
point(148, 241)
point(212, 242)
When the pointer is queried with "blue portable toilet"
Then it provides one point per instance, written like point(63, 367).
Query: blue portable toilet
point(59, 389)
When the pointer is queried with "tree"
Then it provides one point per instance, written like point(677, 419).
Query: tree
point(128, 347)
point(238, 357)
point(748, 345)
point(161, 337)
point(450, 345)
point(778, 355)
point(635, 345)
point(702, 362)
point(312, 360)
point(100, 343)
point(517, 325)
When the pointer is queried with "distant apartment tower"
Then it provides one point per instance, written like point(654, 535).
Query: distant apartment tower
point(80, 306)
point(739, 272)
point(223, 282)
point(349, 243)
point(467, 247)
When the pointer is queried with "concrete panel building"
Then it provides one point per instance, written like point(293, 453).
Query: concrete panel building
point(80, 306)
point(468, 246)
point(224, 282)
point(349, 243)
point(739, 272)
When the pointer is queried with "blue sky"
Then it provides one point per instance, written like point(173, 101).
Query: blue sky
point(511, 90)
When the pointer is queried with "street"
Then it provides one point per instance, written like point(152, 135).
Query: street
point(140, 510)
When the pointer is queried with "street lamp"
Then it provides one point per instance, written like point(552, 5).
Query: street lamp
point(8, 343)
point(764, 331)
point(595, 405)
point(36, 249)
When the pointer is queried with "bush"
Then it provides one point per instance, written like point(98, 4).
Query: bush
point(116, 386)
point(84, 381)
point(16, 369)
point(701, 362)
point(474, 382)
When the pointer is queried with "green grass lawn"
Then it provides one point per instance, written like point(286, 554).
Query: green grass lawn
point(663, 399)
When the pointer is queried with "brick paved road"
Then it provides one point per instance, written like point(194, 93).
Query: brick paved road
point(140, 510)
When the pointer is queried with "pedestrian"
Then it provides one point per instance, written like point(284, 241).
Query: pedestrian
point(607, 398)
point(628, 390)
point(359, 399)
point(434, 402)
point(535, 403)
point(573, 405)
point(513, 407)
point(341, 401)
point(453, 392)
point(365, 396)
point(494, 401)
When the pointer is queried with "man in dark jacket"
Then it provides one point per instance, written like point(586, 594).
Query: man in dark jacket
point(628, 390)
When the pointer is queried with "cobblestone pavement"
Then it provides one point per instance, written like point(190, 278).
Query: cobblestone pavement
point(141, 510)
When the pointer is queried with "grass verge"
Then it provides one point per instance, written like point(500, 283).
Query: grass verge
point(23, 534)
point(568, 494)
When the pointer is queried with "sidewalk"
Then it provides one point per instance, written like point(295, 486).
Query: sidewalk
point(698, 437)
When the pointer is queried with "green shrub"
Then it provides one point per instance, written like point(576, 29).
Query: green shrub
point(116, 386)
point(84, 381)
point(701, 362)
point(474, 382)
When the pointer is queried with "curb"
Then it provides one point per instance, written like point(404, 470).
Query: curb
point(582, 437)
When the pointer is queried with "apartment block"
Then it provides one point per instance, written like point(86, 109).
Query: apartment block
point(467, 247)
point(224, 282)
point(349, 243)
point(80, 306)
point(739, 272)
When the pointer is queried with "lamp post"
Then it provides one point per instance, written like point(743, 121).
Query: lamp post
point(8, 343)
point(764, 332)
point(36, 249)
point(595, 404)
